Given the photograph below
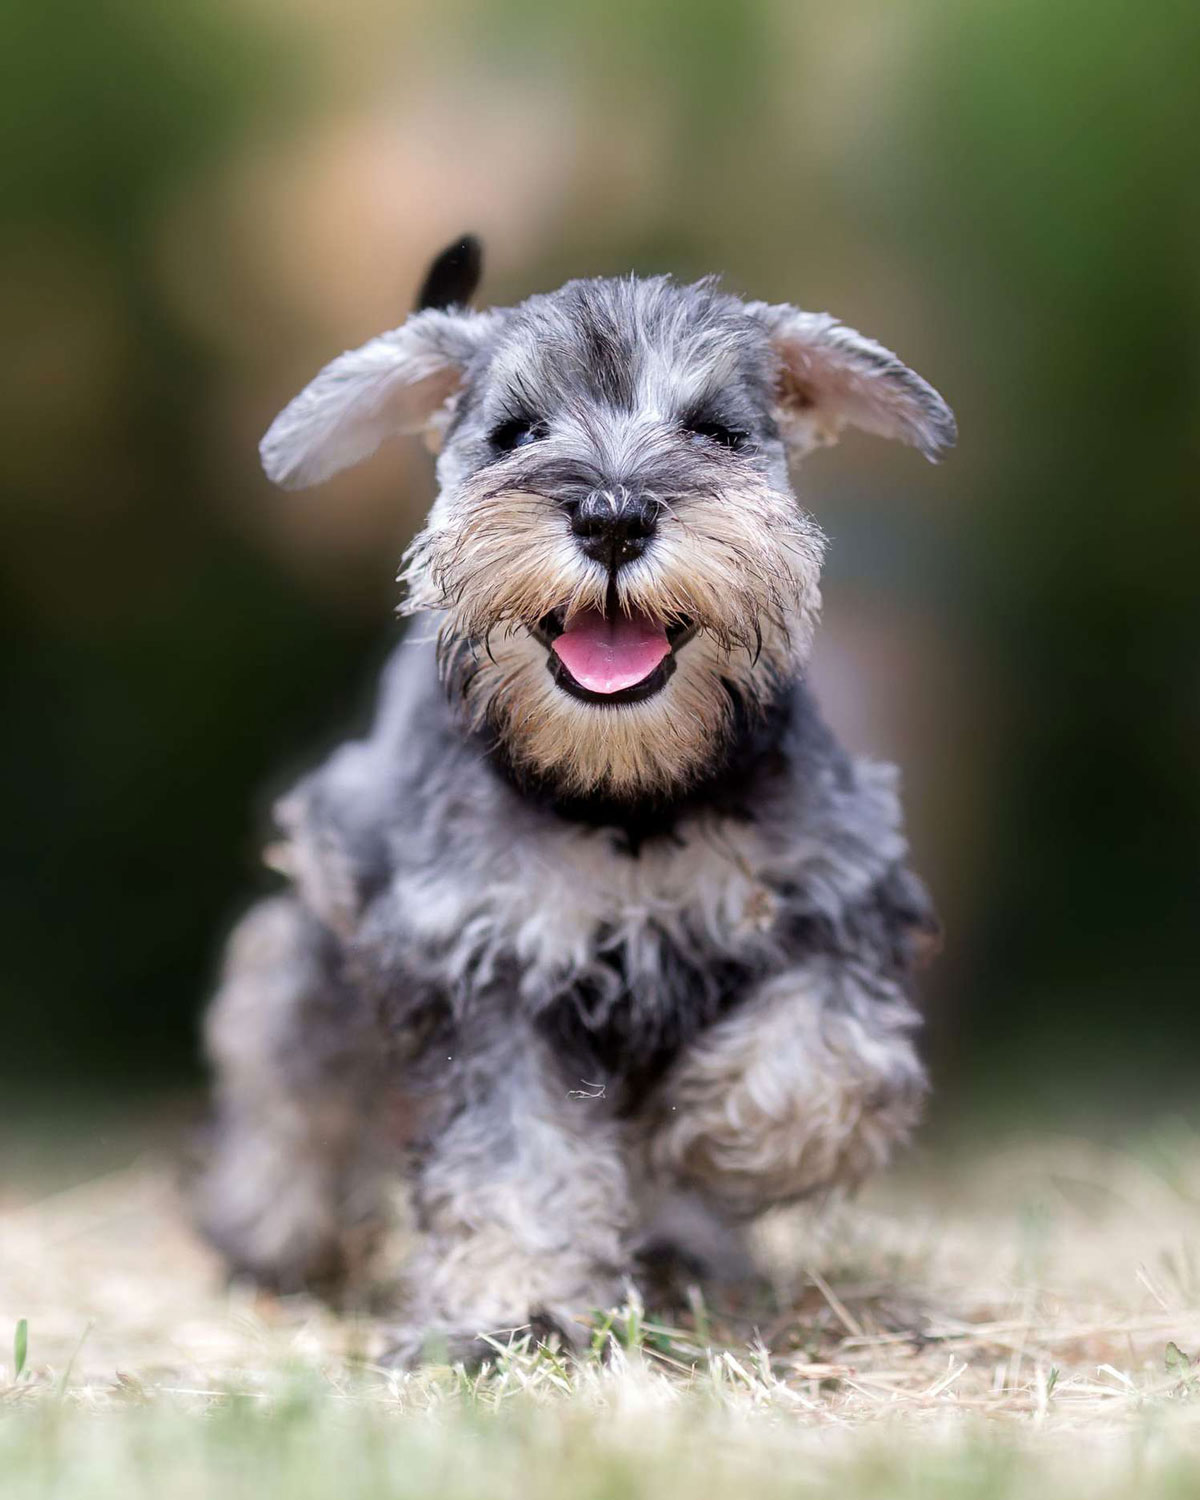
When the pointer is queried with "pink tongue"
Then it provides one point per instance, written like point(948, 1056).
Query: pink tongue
point(605, 655)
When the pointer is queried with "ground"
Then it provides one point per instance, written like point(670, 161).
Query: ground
point(1015, 1320)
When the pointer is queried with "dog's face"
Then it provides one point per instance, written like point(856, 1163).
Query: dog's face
point(621, 569)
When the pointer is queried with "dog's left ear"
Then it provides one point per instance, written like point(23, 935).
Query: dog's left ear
point(828, 375)
point(402, 381)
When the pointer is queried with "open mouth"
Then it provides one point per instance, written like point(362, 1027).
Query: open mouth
point(610, 656)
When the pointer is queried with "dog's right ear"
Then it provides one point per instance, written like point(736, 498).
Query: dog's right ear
point(402, 381)
point(830, 376)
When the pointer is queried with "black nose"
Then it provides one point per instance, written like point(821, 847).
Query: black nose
point(613, 526)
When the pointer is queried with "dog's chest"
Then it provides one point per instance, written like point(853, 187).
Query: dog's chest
point(572, 907)
point(624, 958)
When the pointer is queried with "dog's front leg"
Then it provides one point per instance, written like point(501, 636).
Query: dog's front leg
point(806, 1086)
point(522, 1201)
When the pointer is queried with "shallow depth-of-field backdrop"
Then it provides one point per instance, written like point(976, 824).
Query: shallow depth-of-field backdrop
point(202, 202)
point(205, 201)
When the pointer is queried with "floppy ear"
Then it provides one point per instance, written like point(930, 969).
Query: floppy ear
point(828, 375)
point(398, 382)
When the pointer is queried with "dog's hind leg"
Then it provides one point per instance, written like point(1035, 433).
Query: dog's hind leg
point(287, 1190)
point(808, 1085)
point(522, 1198)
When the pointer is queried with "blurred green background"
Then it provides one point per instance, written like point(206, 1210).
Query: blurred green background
point(205, 201)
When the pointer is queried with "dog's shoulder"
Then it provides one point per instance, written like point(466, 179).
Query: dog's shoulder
point(369, 806)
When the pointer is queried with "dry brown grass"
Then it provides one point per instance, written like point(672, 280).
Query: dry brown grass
point(1043, 1297)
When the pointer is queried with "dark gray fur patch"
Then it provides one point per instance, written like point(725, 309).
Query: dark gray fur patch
point(574, 349)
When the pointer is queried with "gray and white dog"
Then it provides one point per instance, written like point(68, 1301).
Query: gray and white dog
point(598, 940)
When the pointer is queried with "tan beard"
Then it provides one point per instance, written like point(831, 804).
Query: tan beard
point(741, 566)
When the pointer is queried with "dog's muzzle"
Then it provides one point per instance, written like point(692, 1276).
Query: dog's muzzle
point(614, 525)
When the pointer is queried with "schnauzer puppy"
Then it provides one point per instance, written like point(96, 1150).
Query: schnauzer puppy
point(598, 940)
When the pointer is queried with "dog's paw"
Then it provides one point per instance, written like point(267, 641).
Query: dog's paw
point(451, 1344)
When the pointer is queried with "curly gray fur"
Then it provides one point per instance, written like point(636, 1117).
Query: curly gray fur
point(559, 966)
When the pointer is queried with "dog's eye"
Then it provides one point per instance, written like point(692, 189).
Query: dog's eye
point(716, 432)
point(517, 432)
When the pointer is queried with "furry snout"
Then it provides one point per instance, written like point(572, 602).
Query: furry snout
point(621, 676)
point(615, 525)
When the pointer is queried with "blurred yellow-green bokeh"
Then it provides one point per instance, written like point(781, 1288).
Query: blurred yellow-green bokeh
point(204, 201)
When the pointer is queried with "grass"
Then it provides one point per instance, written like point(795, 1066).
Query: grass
point(1016, 1322)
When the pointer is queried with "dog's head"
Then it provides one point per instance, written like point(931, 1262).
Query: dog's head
point(621, 569)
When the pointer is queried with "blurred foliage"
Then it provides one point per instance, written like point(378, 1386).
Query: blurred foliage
point(205, 201)
point(1055, 156)
point(145, 684)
